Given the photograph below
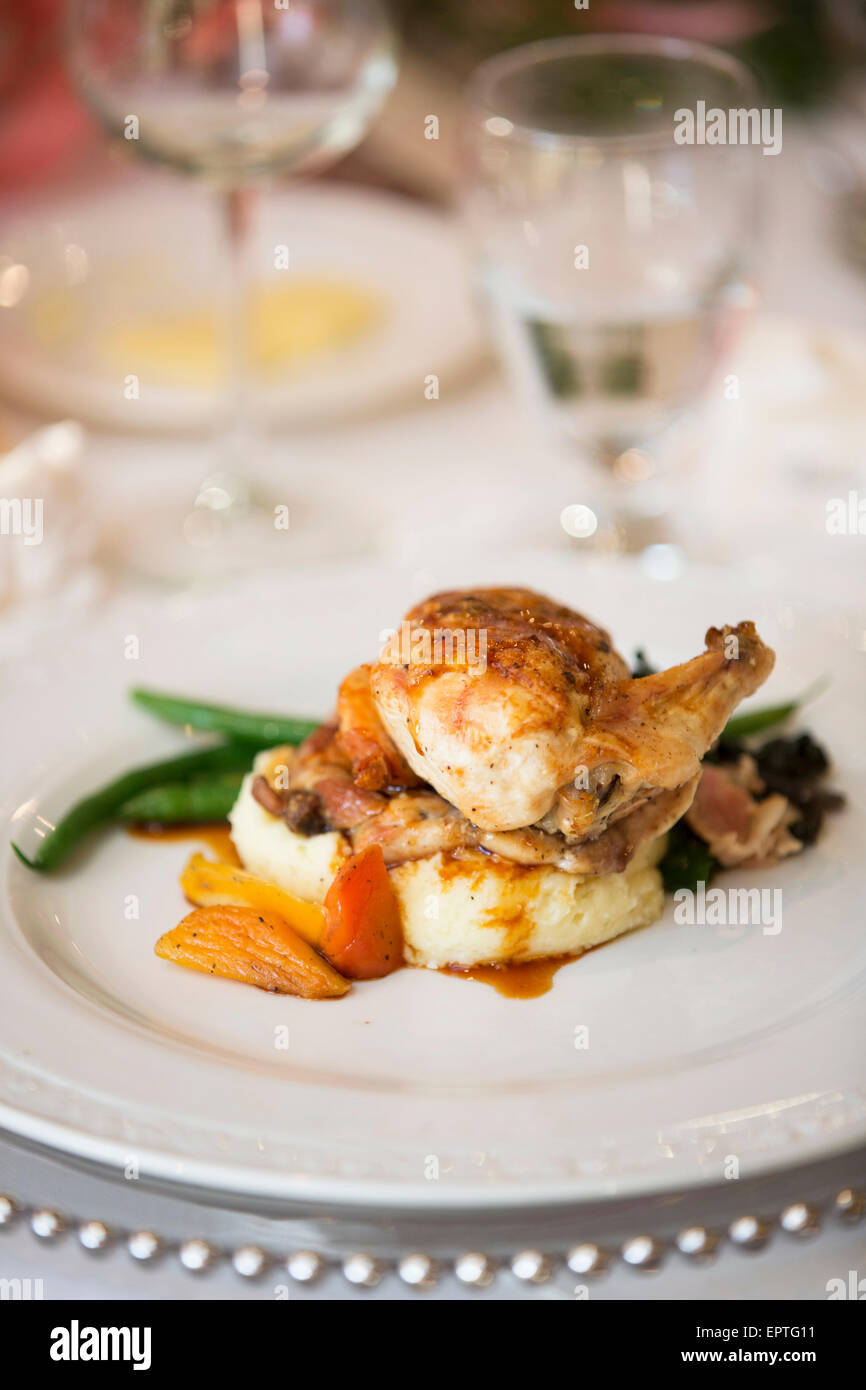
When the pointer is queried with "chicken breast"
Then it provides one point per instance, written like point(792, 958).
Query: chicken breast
point(541, 721)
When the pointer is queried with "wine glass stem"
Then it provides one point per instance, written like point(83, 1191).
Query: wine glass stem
point(238, 210)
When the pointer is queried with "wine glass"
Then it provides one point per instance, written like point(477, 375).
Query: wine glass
point(614, 260)
point(234, 92)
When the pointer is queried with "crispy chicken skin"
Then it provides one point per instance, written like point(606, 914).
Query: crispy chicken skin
point(549, 728)
point(362, 738)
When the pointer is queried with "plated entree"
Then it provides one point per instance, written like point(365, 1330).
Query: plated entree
point(497, 787)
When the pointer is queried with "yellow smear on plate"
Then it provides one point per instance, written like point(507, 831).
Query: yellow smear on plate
point(55, 318)
point(287, 326)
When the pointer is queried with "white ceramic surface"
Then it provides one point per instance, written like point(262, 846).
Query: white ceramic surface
point(132, 255)
point(704, 1043)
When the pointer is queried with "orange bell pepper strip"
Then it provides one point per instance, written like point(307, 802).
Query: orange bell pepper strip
point(207, 883)
point(363, 935)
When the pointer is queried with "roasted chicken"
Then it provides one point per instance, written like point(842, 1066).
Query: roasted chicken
point(513, 740)
point(532, 740)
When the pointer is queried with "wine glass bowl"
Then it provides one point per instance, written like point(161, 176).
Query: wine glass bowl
point(614, 260)
point(233, 89)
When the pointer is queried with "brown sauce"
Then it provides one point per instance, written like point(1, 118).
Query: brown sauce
point(217, 837)
point(524, 980)
point(457, 862)
point(521, 980)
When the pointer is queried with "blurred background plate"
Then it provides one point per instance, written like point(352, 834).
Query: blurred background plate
point(130, 283)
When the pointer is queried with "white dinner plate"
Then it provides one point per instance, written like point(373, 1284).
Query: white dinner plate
point(103, 272)
point(711, 1051)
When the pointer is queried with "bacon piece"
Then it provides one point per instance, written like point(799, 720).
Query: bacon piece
point(317, 742)
point(738, 828)
point(265, 795)
point(346, 805)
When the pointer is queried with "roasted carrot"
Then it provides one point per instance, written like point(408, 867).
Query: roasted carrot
point(363, 933)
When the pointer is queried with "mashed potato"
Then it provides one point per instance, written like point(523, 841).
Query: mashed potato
point(474, 911)
point(467, 909)
point(302, 864)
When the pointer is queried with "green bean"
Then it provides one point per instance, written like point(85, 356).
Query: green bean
point(262, 730)
point(102, 806)
point(173, 803)
point(756, 720)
